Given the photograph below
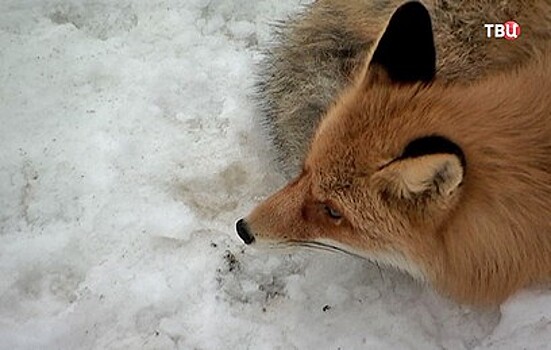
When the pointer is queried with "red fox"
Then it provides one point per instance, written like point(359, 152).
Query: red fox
point(318, 52)
point(446, 180)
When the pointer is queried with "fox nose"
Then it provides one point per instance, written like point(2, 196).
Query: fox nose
point(243, 231)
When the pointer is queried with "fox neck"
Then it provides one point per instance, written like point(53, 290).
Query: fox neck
point(392, 259)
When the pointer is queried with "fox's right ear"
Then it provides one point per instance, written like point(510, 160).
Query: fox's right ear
point(421, 180)
point(406, 52)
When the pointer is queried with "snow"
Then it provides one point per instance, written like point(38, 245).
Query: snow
point(127, 152)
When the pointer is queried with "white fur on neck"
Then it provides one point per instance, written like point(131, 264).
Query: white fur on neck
point(391, 258)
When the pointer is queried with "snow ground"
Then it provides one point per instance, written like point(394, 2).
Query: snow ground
point(127, 152)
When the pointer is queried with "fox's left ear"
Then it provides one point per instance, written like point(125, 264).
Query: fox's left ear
point(406, 51)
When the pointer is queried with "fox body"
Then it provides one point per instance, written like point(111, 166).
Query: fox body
point(319, 52)
point(449, 181)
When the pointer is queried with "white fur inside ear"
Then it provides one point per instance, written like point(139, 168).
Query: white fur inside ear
point(438, 174)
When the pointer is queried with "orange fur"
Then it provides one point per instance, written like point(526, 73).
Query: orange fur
point(313, 55)
point(477, 233)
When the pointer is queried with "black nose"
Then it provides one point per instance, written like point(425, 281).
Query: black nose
point(243, 231)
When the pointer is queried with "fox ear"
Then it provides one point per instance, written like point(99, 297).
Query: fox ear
point(428, 177)
point(406, 50)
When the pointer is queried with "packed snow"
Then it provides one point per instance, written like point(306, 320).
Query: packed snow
point(128, 149)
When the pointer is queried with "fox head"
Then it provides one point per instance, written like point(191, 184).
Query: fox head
point(374, 183)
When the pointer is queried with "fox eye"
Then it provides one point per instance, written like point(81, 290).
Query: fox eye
point(334, 214)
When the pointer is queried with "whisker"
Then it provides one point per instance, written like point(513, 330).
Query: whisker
point(380, 271)
point(325, 247)
point(306, 245)
point(322, 246)
point(302, 245)
point(317, 247)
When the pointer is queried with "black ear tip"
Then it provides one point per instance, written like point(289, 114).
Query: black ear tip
point(412, 11)
point(406, 49)
point(413, 7)
point(416, 5)
point(433, 144)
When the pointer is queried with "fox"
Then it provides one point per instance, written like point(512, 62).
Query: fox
point(446, 179)
point(318, 52)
